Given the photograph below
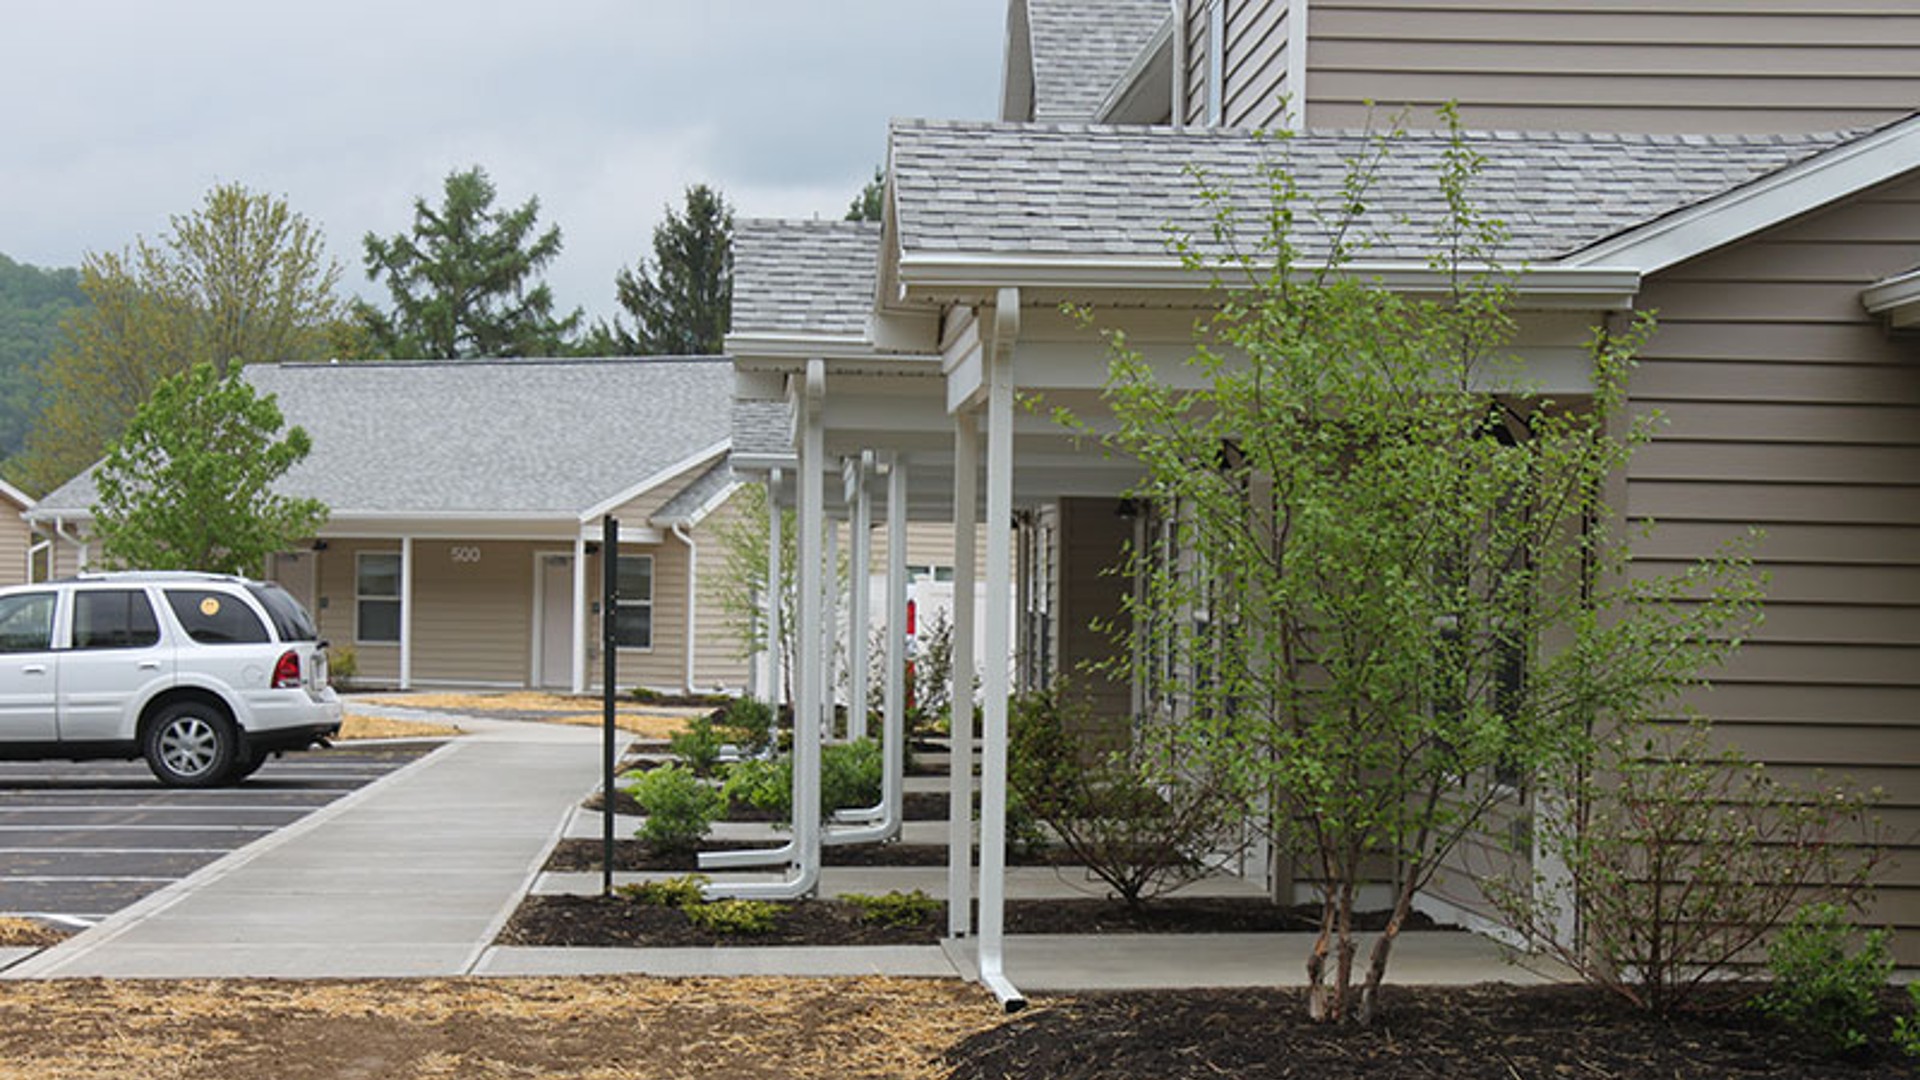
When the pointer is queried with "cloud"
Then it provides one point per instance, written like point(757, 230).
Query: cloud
point(604, 109)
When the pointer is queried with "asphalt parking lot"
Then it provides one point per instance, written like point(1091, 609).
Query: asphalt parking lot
point(79, 841)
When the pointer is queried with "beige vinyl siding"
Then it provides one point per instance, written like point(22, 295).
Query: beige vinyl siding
point(1787, 407)
point(1254, 56)
point(472, 620)
point(334, 609)
point(636, 511)
point(16, 539)
point(1615, 65)
point(719, 660)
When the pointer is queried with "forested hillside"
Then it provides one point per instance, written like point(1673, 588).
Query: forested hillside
point(32, 303)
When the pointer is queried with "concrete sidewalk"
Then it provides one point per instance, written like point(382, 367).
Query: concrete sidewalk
point(410, 876)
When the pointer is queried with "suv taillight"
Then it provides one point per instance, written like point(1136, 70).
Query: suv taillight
point(286, 671)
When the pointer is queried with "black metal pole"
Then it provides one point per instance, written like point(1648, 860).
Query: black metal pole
point(609, 653)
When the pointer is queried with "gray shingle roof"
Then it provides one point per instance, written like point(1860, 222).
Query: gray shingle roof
point(803, 276)
point(762, 428)
point(1091, 190)
point(1081, 48)
point(522, 437)
point(690, 500)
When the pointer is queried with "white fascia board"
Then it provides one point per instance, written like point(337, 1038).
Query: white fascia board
point(606, 506)
point(1153, 61)
point(981, 276)
point(759, 352)
point(698, 514)
point(18, 496)
point(760, 463)
point(1897, 298)
point(383, 525)
point(1781, 196)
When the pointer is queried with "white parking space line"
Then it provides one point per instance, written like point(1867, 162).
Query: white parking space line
point(49, 879)
point(65, 850)
point(239, 809)
point(139, 828)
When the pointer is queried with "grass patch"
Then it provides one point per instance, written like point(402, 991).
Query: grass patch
point(27, 934)
point(355, 726)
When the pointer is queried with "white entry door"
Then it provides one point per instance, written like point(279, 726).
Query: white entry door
point(555, 648)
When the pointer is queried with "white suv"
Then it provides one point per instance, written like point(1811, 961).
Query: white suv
point(204, 675)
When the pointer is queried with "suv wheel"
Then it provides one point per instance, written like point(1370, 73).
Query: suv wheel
point(191, 744)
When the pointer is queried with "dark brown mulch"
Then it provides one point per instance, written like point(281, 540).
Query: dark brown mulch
point(583, 856)
point(1469, 1033)
point(918, 806)
point(600, 922)
point(616, 922)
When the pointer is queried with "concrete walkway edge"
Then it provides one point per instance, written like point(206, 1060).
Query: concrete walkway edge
point(113, 926)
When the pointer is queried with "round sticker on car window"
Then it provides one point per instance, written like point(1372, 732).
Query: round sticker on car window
point(210, 607)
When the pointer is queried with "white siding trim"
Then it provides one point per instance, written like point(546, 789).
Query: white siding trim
point(1296, 117)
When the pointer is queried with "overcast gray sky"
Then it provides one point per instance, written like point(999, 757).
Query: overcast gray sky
point(119, 113)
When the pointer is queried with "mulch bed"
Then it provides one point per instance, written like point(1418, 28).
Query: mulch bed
point(615, 922)
point(1470, 1033)
point(583, 856)
point(918, 806)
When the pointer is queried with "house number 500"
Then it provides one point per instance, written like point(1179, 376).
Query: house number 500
point(464, 554)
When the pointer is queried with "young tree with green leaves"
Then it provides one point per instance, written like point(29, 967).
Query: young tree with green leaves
point(465, 281)
point(189, 486)
point(744, 541)
point(682, 300)
point(1393, 595)
point(243, 279)
point(872, 200)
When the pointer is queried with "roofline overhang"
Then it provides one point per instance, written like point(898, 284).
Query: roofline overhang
point(1154, 59)
point(1779, 196)
point(758, 463)
point(620, 498)
point(692, 518)
point(783, 350)
point(963, 277)
point(1897, 299)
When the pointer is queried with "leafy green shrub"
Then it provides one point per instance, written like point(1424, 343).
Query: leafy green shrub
point(749, 722)
point(343, 663)
point(762, 784)
point(895, 908)
point(680, 808)
point(684, 891)
point(1906, 1029)
point(699, 745)
point(849, 775)
point(735, 916)
point(1819, 988)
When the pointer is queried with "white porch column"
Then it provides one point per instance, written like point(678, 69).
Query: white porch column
point(406, 613)
point(893, 767)
point(775, 688)
point(830, 625)
point(966, 512)
point(578, 680)
point(860, 617)
point(999, 615)
point(813, 663)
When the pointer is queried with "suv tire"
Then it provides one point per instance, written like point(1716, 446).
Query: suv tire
point(191, 744)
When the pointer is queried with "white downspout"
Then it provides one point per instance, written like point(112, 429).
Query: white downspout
point(34, 549)
point(775, 641)
point(693, 594)
point(999, 615)
point(80, 555)
point(966, 514)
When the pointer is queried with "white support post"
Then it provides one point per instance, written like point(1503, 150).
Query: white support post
point(776, 673)
point(578, 678)
point(860, 617)
point(966, 511)
point(883, 820)
point(406, 613)
point(999, 615)
point(802, 852)
point(830, 628)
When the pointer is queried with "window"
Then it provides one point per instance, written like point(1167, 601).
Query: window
point(114, 619)
point(376, 588)
point(633, 610)
point(26, 622)
point(216, 618)
point(290, 620)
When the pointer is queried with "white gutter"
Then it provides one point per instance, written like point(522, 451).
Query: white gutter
point(34, 549)
point(1896, 298)
point(693, 591)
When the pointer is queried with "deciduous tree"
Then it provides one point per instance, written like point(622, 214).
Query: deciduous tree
point(1392, 596)
point(240, 280)
point(189, 486)
point(465, 280)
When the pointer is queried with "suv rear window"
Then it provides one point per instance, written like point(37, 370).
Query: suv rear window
point(211, 617)
point(290, 620)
